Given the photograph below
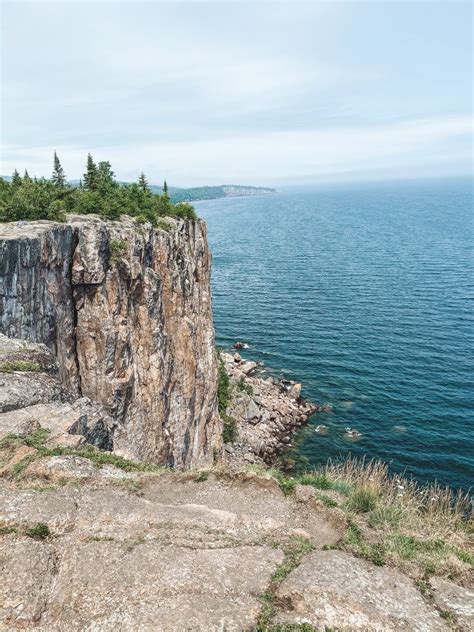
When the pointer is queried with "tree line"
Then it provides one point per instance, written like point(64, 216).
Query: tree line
point(26, 198)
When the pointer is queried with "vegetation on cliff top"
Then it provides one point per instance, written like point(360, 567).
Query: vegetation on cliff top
point(30, 199)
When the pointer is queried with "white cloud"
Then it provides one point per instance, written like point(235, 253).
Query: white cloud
point(244, 92)
point(277, 156)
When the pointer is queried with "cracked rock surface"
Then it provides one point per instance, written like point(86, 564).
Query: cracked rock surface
point(168, 551)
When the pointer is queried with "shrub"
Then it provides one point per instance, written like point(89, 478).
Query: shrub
point(162, 224)
point(230, 433)
point(57, 211)
point(223, 387)
point(118, 248)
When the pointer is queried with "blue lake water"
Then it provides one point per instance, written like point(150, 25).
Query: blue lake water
point(364, 294)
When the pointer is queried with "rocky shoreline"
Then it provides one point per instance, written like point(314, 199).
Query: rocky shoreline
point(267, 412)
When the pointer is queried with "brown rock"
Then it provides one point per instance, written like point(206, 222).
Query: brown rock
point(131, 330)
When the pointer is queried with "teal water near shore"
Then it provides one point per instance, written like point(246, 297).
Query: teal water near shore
point(364, 294)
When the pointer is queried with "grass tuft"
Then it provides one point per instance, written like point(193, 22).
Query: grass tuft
point(363, 500)
point(202, 476)
point(100, 458)
point(294, 550)
point(422, 530)
point(24, 366)
point(244, 387)
point(39, 531)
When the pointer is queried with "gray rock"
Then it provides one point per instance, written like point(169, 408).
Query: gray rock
point(332, 589)
point(26, 569)
point(455, 599)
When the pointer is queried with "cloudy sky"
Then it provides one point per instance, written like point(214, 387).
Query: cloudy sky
point(224, 92)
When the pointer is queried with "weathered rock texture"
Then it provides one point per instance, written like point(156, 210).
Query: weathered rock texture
point(167, 552)
point(331, 589)
point(126, 310)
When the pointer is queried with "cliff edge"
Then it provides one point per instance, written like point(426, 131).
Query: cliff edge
point(125, 309)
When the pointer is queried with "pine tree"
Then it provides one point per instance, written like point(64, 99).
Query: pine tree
point(143, 182)
point(165, 188)
point(90, 176)
point(105, 176)
point(16, 179)
point(58, 177)
point(26, 176)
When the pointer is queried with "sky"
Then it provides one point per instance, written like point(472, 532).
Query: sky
point(243, 93)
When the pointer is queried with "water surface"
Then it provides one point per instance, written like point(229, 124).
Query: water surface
point(364, 294)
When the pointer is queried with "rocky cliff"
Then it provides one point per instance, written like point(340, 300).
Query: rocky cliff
point(126, 310)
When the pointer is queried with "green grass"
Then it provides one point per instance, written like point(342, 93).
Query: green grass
point(39, 531)
point(449, 616)
point(293, 550)
point(19, 468)
point(8, 530)
point(374, 553)
point(24, 366)
point(36, 438)
point(431, 551)
point(363, 500)
point(389, 516)
point(327, 500)
point(100, 458)
point(243, 387)
point(202, 476)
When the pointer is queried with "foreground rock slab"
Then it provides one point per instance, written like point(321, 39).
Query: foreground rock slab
point(167, 552)
point(332, 589)
point(456, 599)
point(159, 552)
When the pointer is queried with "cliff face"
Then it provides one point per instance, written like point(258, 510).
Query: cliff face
point(126, 309)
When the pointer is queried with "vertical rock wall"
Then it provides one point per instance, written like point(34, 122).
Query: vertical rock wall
point(127, 311)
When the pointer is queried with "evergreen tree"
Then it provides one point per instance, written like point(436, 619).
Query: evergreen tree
point(165, 188)
point(143, 182)
point(16, 179)
point(105, 176)
point(59, 177)
point(90, 176)
point(26, 176)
